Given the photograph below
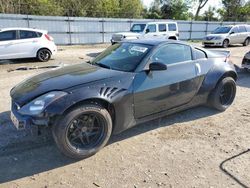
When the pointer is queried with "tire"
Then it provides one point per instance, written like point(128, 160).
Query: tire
point(225, 43)
point(246, 42)
point(223, 95)
point(43, 55)
point(72, 133)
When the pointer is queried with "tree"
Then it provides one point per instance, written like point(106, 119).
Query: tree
point(234, 10)
point(131, 8)
point(209, 15)
point(175, 9)
point(201, 4)
point(154, 11)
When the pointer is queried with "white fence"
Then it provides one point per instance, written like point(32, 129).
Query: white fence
point(82, 30)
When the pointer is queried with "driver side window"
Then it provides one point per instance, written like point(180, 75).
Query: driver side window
point(235, 30)
point(151, 28)
point(172, 53)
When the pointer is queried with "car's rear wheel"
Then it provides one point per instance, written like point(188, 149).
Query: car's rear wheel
point(246, 42)
point(43, 55)
point(225, 43)
point(223, 95)
point(83, 131)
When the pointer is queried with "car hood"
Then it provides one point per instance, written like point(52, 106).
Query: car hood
point(129, 34)
point(211, 36)
point(59, 79)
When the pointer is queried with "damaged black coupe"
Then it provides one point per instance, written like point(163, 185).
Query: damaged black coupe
point(129, 83)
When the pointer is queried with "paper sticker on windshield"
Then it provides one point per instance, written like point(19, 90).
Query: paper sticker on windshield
point(139, 49)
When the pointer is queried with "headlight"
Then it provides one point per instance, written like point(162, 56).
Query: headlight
point(38, 105)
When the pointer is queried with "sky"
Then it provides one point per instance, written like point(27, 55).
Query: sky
point(213, 3)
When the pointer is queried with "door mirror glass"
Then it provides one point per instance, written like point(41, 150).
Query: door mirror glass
point(147, 31)
point(156, 66)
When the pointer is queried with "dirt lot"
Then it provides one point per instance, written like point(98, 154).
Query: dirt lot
point(195, 148)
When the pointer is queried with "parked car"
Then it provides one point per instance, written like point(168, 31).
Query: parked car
point(246, 61)
point(129, 83)
point(167, 30)
point(227, 35)
point(18, 43)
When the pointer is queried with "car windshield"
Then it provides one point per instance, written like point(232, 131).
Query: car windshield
point(137, 28)
point(221, 30)
point(122, 56)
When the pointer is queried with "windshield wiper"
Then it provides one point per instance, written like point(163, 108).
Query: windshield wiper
point(103, 65)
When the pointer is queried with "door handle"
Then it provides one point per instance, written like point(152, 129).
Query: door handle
point(197, 69)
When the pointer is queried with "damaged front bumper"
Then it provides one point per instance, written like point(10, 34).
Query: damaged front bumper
point(24, 121)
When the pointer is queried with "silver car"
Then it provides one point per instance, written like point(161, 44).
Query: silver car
point(226, 35)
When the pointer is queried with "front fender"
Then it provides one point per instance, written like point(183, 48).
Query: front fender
point(118, 93)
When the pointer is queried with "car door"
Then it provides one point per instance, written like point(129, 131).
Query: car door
point(151, 31)
point(28, 41)
point(242, 34)
point(162, 29)
point(158, 91)
point(8, 49)
point(172, 29)
point(234, 35)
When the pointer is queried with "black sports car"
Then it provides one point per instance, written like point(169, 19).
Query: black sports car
point(246, 61)
point(129, 83)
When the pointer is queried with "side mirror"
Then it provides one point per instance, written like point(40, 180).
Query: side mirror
point(147, 31)
point(156, 66)
point(231, 32)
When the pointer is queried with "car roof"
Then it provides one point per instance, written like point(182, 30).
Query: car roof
point(154, 42)
point(23, 28)
point(161, 22)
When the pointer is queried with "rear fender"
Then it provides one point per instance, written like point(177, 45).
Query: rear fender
point(217, 73)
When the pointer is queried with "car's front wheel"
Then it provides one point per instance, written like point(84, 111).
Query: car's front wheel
point(223, 95)
point(246, 42)
point(225, 43)
point(43, 55)
point(83, 131)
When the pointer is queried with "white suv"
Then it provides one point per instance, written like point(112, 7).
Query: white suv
point(168, 30)
point(18, 43)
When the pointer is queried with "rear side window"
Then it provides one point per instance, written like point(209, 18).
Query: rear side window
point(172, 27)
point(39, 34)
point(151, 28)
point(8, 35)
point(173, 53)
point(199, 54)
point(242, 29)
point(162, 27)
point(28, 34)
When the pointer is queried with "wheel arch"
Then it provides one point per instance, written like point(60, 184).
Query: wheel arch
point(42, 49)
point(172, 38)
point(104, 103)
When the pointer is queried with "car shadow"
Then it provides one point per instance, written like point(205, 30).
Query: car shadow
point(21, 61)
point(230, 46)
point(230, 174)
point(25, 155)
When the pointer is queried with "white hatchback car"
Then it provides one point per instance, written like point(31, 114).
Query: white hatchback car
point(18, 43)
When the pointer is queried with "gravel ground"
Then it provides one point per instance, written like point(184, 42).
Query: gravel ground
point(195, 148)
